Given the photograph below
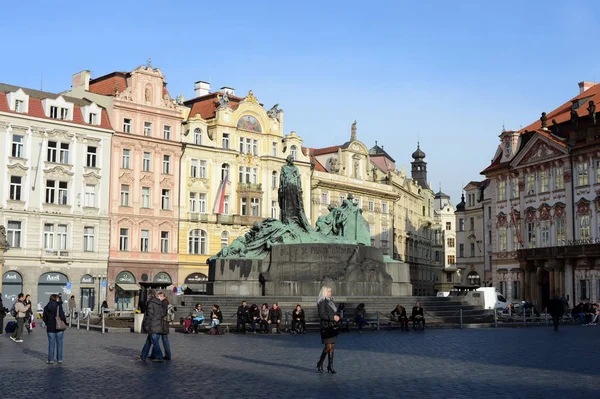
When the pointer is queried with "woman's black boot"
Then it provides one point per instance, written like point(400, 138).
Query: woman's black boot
point(321, 360)
point(330, 364)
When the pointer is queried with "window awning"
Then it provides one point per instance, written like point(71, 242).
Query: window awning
point(129, 287)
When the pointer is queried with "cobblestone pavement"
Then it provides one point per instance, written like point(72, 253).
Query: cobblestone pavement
point(471, 363)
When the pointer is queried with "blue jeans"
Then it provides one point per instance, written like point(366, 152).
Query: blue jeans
point(55, 340)
point(152, 340)
point(166, 345)
point(581, 317)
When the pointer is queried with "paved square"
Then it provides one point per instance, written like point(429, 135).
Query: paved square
point(471, 363)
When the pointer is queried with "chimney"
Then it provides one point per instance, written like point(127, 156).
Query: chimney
point(81, 80)
point(583, 86)
point(201, 88)
point(230, 91)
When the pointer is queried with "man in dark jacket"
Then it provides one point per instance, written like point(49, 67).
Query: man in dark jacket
point(556, 309)
point(275, 318)
point(153, 326)
point(243, 314)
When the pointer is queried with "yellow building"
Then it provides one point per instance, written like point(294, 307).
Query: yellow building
point(233, 150)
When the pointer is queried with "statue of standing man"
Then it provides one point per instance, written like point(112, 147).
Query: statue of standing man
point(290, 196)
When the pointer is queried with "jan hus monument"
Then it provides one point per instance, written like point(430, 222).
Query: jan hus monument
point(288, 257)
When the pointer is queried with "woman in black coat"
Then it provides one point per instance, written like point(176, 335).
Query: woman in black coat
point(55, 337)
point(329, 316)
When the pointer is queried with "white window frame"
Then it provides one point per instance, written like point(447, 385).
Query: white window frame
point(52, 151)
point(167, 132)
point(14, 232)
point(255, 207)
point(225, 141)
point(197, 242)
point(224, 239)
point(126, 159)
point(194, 168)
point(91, 156)
point(123, 239)
point(49, 236)
point(148, 129)
point(63, 193)
point(146, 193)
point(274, 209)
point(202, 169)
point(582, 174)
point(146, 162)
point(165, 199)
point(202, 202)
point(294, 152)
point(559, 182)
point(126, 125)
point(51, 194)
point(197, 136)
point(166, 165)
point(226, 205)
point(193, 202)
point(144, 240)
point(88, 238)
point(18, 147)
point(16, 188)
point(89, 197)
point(164, 242)
point(125, 189)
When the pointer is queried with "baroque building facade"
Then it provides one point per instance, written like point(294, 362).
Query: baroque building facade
point(544, 188)
point(55, 157)
point(233, 151)
point(397, 207)
point(144, 192)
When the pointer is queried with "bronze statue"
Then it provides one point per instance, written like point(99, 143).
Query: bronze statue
point(290, 196)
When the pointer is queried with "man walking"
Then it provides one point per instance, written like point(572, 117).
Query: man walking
point(21, 309)
point(555, 309)
point(153, 326)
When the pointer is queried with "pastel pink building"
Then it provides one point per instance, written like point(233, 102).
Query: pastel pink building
point(144, 187)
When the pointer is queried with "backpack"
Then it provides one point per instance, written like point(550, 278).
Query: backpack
point(170, 316)
point(13, 310)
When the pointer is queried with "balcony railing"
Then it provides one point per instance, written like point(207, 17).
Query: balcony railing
point(256, 187)
point(225, 219)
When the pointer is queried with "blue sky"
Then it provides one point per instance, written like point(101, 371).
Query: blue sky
point(449, 74)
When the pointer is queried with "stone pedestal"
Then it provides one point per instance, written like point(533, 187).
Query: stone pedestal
point(301, 270)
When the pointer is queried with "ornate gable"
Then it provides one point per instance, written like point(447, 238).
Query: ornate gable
point(91, 178)
point(538, 150)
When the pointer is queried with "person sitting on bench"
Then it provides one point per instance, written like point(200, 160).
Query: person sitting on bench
point(197, 318)
point(264, 318)
point(298, 320)
point(254, 317)
point(216, 317)
point(418, 316)
point(399, 315)
point(275, 317)
point(243, 315)
point(359, 316)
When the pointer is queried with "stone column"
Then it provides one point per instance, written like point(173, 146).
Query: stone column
point(568, 282)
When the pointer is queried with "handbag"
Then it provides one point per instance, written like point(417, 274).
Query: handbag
point(331, 330)
point(60, 325)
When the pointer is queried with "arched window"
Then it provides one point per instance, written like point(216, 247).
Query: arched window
point(198, 136)
point(224, 239)
point(274, 179)
point(197, 244)
point(224, 171)
point(293, 152)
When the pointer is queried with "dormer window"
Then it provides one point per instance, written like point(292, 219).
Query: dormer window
point(93, 119)
point(507, 149)
point(19, 106)
point(18, 101)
